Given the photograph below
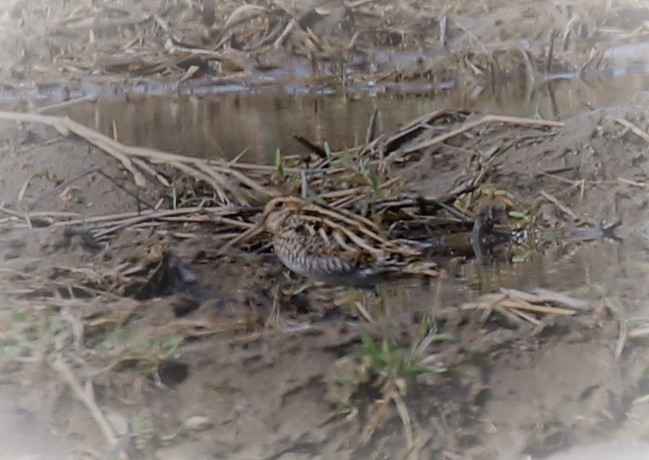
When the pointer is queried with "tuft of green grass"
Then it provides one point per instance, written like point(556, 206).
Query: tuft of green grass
point(374, 183)
point(161, 348)
point(524, 218)
point(327, 149)
point(387, 365)
point(32, 332)
point(386, 371)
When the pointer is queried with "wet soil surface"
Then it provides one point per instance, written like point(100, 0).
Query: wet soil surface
point(144, 343)
point(363, 44)
point(226, 364)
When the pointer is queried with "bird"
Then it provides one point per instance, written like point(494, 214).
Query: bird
point(336, 246)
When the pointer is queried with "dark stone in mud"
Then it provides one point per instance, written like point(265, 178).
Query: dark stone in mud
point(173, 373)
point(183, 305)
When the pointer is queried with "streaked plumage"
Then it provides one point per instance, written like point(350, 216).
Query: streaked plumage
point(336, 246)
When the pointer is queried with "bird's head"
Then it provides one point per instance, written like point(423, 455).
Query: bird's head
point(278, 210)
point(275, 214)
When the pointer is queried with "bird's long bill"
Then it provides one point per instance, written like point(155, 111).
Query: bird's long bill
point(252, 231)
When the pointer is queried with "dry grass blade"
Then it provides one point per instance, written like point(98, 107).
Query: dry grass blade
point(28, 216)
point(418, 445)
point(519, 303)
point(640, 332)
point(523, 315)
point(65, 125)
point(242, 14)
point(546, 295)
point(380, 412)
point(87, 398)
point(67, 104)
point(406, 420)
point(363, 312)
point(132, 158)
point(634, 129)
point(555, 201)
point(634, 183)
point(487, 119)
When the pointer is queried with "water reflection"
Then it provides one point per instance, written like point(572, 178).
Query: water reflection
point(595, 270)
point(225, 125)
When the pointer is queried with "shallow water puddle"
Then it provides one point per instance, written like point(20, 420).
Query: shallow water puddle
point(598, 270)
point(259, 121)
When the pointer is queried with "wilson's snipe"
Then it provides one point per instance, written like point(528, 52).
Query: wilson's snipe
point(334, 245)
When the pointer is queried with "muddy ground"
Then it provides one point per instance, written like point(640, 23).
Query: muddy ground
point(112, 347)
point(76, 48)
point(246, 372)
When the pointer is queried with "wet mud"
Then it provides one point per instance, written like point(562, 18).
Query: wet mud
point(129, 336)
point(203, 356)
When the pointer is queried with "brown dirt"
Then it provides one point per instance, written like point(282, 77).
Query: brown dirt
point(234, 363)
point(256, 375)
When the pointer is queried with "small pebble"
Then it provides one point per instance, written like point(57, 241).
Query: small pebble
point(197, 423)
